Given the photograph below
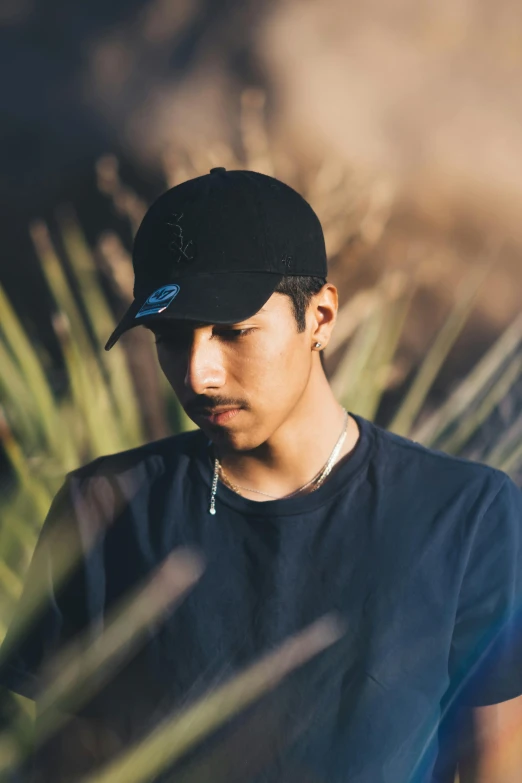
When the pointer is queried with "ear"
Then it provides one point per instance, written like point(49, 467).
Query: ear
point(323, 313)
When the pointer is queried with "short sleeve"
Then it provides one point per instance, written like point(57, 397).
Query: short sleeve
point(53, 584)
point(486, 650)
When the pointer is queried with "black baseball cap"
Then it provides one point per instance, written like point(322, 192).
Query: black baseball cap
point(214, 248)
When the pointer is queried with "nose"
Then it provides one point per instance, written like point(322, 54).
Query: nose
point(205, 370)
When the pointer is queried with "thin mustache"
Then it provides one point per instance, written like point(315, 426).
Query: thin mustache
point(208, 406)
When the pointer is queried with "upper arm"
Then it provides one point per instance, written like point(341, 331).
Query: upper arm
point(486, 649)
point(490, 745)
point(52, 606)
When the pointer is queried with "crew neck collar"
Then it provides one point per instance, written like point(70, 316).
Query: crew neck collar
point(351, 465)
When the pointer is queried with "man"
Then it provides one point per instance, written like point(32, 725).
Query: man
point(299, 509)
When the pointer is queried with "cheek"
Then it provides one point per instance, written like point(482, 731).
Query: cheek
point(277, 369)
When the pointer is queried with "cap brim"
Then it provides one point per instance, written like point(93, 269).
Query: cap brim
point(214, 298)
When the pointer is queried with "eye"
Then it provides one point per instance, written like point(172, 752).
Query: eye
point(180, 340)
point(234, 334)
point(172, 341)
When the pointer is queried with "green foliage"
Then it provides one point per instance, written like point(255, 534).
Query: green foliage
point(44, 432)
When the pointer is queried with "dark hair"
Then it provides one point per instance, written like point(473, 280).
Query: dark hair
point(300, 289)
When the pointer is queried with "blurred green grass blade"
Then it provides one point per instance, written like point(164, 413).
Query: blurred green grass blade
point(470, 422)
point(29, 483)
point(512, 461)
point(59, 286)
point(346, 382)
point(173, 738)
point(381, 361)
point(363, 371)
point(410, 407)
point(508, 443)
point(63, 541)
point(82, 668)
point(27, 706)
point(9, 753)
point(75, 674)
point(102, 324)
point(472, 387)
point(90, 397)
point(9, 581)
point(17, 542)
point(351, 315)
point(90, 389)
point(18, 522)
point(17, 400)
point(56, 438)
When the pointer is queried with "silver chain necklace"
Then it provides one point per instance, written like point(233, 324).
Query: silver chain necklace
point(316, 481)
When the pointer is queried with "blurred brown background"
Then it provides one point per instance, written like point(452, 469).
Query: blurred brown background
point(402, 117)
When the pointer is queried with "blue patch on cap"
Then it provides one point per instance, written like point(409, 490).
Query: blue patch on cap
point(158, 301)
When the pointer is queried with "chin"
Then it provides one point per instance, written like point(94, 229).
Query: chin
point(236, 441)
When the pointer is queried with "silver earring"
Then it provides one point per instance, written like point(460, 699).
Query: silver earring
point(317, 345)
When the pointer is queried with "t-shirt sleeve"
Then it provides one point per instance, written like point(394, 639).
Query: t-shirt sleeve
point(486, 650)
point(53, 595)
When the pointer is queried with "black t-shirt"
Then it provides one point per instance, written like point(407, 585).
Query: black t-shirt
point(420, 553)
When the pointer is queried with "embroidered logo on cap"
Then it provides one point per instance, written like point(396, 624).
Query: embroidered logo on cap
point(183, 248)
point(158, 301)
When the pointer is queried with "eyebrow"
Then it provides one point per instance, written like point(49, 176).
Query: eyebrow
point(183, 325)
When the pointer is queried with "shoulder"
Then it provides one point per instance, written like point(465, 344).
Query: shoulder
point(171, 453)
point(405, 460)
point(96, 494)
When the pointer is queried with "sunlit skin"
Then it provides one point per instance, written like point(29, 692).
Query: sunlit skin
point(259, 391)
point(491, 743)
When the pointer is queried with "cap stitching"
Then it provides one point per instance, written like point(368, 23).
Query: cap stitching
point(184, 248)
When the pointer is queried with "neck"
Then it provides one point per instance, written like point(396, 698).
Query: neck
point(298, 449)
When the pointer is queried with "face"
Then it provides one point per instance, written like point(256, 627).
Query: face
point(240, 382)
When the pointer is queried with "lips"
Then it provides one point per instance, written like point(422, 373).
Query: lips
point(219, 415)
